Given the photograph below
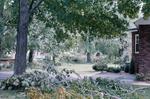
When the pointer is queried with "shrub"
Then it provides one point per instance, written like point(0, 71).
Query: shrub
point(127, 67)
point(132, 68)
point(147, 76)
point(104, 67)
point(35, 78)
point(113, 69)
point(140, 76)
point(100, 66)
point(73, 59)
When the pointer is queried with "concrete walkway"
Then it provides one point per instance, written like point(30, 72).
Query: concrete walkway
point(5, 74)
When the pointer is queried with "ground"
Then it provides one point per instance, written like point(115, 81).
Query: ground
point(86, 70)
point(11, 95)
point(83, 70)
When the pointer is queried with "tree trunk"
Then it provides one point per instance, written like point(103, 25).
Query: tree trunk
point(88, 57)
point(1, 26)
point(54, 59)
point(31, 52)
point(88, 48)
point(21, 47)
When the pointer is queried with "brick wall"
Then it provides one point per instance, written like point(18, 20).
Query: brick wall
point(144, 51)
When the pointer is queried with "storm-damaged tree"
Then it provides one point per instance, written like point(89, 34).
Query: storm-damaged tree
point(26, 10)
point(98, 18)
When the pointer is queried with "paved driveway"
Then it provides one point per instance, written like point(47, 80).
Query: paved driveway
point(5, 74)
point(86, 70)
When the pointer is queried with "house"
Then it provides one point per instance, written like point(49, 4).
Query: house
point(141, 46)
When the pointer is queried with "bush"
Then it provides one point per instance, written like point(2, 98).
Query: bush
point(132, 68)
point(127, 67)
point(113, 69)
point(101, 67)
point(140, 76)
point(73, 59)
point(104, 67)
point(35, 78)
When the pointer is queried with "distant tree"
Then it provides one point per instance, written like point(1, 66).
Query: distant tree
point(7, 33)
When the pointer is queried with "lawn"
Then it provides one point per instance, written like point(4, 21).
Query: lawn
point(9, 94)
point(79, 68)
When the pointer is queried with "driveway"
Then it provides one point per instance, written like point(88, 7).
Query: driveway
point(85, 70)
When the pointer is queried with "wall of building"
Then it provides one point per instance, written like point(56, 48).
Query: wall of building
point(144, 51)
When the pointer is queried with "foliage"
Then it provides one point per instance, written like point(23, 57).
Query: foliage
point(6, 66)
point(73, 58)
point(131, 10)
point(147, 76)
point(140, 76)
point(26, 80)
point(86, 88)
point(132, 67)
point(7, 32)
point(146, 8)
point(52, 83)
point(100, 65)
point(127, 67)
point(108, 69)
point(108, 47)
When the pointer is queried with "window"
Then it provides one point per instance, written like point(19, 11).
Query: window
point(136, 43)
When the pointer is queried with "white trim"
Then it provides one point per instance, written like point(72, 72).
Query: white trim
point(135, 42)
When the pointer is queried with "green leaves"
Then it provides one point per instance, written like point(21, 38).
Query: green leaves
point(129, 8)
point(146, 8)
point(97, 17)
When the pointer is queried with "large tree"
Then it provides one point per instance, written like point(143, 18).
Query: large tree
point(25, 13)
point(96, 17)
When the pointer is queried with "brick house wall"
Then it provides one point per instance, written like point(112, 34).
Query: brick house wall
point(144, 50)
point(142, 59)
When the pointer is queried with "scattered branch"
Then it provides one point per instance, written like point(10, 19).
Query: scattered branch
point(31, 5)
point(34, 6)
point(137, 89)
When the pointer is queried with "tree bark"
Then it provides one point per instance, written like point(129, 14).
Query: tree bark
point(54, 59)
point(22, 31)
point(1, 26)
point(31, 55)
point(88, 57)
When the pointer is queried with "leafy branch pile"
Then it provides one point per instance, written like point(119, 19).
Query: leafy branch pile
point(50, 81)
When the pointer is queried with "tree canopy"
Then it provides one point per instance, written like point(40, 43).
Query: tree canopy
point(94, 18)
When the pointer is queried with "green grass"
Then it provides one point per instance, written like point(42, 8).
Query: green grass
point(9, 94)
point(145, 93)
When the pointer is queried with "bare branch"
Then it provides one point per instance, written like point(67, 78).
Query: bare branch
point(31, 5)
point(34, 6)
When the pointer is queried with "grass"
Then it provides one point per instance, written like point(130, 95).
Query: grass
point(10, 94)
point(80, 68)
point(145, 93)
